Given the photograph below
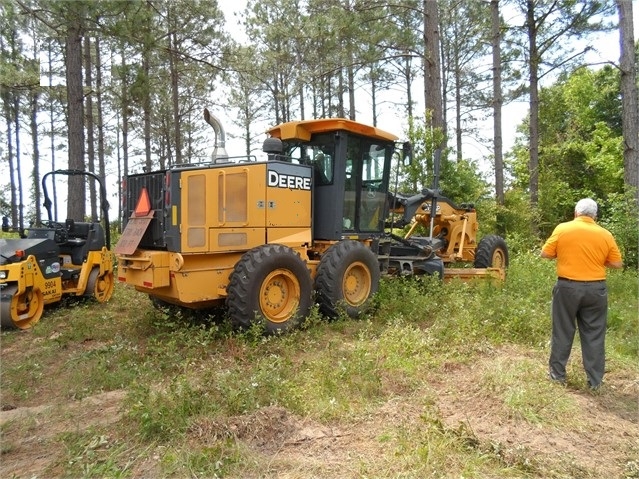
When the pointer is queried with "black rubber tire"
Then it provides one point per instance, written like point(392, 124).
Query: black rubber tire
point(347, 277)
point(270, 283)
point(491, 252)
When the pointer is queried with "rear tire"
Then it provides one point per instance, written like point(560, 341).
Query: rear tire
point(100, 287)
point(347, 276)
point(270, 283)
point(491, 252)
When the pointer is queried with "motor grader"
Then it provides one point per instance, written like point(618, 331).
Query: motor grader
point(54, 260)
point(311, 221)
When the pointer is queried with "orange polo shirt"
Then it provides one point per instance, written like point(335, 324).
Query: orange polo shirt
point(582, 248)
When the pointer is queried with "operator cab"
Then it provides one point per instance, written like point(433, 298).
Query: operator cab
point(351, 169)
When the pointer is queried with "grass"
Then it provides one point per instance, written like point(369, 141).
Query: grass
point(202, 401)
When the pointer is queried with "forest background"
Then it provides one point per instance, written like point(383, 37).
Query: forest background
point(118, 87)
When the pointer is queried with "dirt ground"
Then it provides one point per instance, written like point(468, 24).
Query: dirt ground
point(600, 449)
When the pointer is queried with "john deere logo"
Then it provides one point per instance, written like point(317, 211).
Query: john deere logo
point(290, 182)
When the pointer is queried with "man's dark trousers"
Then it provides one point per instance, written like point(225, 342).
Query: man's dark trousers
point(587, 302)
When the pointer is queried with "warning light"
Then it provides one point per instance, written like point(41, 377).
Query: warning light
point(143, 208)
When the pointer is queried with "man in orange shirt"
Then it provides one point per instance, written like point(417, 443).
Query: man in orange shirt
point(583, 250)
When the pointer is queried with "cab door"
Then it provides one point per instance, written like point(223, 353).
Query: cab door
point(367, 169)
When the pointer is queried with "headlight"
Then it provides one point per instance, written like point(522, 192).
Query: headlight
point(3, 274)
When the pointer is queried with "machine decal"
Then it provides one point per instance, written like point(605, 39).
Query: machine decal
point(291, 182)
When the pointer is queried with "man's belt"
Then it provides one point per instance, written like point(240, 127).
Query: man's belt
point(560, 278)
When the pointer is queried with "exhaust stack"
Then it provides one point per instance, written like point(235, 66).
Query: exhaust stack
point(219, 153)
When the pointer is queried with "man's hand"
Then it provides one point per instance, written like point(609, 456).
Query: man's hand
point(546, 255)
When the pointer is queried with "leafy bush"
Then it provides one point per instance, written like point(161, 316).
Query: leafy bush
point(622, 221)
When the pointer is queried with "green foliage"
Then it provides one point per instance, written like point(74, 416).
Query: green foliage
point(460, 181)
point(513, 220)
point(419, 173)
point(163, 414)
point(92, 454)
point(581, 147)
point(216, 460)
point(620, 217)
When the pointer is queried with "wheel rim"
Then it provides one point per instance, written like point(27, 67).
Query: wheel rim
point(101, 287)
point(499, 258)
point(356, 285)
point(279, 295)
point(104, 287)
point(24, 310)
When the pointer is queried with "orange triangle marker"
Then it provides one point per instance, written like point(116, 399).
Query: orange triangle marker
point(143, 208)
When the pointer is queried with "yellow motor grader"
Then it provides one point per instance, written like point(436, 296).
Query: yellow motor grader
point(308, 222)
point(54, 260)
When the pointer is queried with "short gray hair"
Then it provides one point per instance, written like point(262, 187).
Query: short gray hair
point(586, 207)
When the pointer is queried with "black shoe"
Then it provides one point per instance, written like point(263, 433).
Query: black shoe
point(555, 379)
point(595, 388)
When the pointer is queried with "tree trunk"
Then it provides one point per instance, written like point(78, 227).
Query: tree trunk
point(374, 93)
point(351, 91)
point(409, 85)
point(36, 156)
point(533, 163)
point(630, 105)
point(432, 73)
point(35, 94)
point(175, 97)
point(16, 118)
point(88, 82)
point(300, 68)
point(340, 95)
point(52, 123)
point(76, 196)
point(125, 129)
point(146, 99)
point(99, 115)
point(6, 99)
point(458, 105)
point(497, 103)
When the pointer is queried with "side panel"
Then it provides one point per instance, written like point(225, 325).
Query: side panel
point(292, 237)
point(194, 280)
point(288, 203)
point(216, 199)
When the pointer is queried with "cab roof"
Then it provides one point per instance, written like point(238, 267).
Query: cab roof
point(304, 129)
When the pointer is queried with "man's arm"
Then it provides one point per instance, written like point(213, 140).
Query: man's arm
point(546, 255)
point(614, 264)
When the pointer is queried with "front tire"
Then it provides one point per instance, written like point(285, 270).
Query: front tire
point(270, 282)
point(348, 276)
point(491, 252)
point(20, 311)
